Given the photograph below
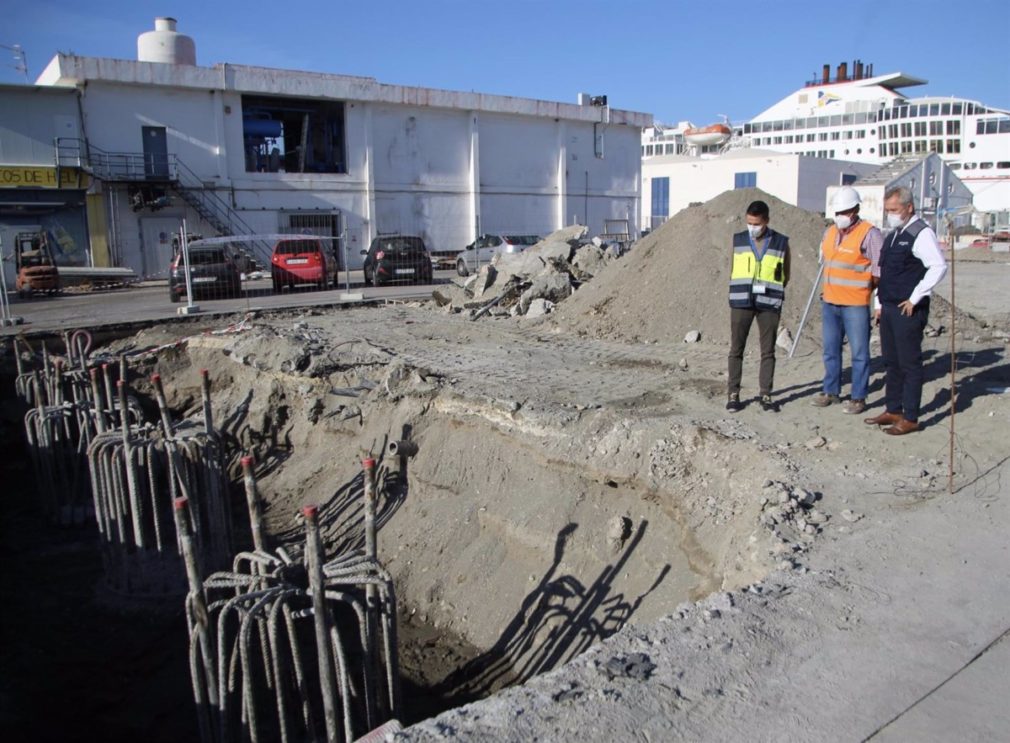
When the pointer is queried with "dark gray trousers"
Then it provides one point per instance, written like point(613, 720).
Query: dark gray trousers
point(740, 322)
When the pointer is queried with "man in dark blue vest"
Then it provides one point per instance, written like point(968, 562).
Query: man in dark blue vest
point(911, 264)
point(757, 282)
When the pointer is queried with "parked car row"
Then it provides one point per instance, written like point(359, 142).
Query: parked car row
point(304, 260)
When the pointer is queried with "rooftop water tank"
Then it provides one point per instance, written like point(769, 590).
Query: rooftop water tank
point(164, 44)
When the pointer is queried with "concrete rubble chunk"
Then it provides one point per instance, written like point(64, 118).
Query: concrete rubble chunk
point(551, 285)
point(590, 259)
point(693, 336)
point(537, 308)
point(785, 339)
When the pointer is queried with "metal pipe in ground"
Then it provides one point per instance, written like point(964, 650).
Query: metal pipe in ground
point(253, 502)
point(314, 557)
point(208, 418)
point(159, 393)
point(371, 599)
point(207, 687)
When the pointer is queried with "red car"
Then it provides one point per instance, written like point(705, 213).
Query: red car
point(302, 260)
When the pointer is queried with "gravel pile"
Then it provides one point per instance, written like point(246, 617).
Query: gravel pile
point(675, 280)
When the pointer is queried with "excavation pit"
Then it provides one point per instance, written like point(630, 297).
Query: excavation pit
point(554, 496)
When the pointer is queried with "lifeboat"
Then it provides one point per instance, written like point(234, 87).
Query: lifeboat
point(708, 135)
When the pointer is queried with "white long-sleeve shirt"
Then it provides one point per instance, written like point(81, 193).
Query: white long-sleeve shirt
point(927, 250)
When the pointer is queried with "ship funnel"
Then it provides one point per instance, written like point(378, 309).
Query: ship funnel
point(826, 74)
point(164, 44)
point(843, 72)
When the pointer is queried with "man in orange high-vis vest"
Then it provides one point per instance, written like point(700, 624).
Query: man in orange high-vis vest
point(850, 254)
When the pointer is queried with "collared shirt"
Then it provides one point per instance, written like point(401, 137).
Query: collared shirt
point(927, 250)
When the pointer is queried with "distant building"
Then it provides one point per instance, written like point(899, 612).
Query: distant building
point(34, 194)
point(672, 182)
point(937, 190)
point(238, 150)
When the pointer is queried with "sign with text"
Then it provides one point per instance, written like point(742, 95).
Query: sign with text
point(35, 176)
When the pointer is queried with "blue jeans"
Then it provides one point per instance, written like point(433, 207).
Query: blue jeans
point(852, 322)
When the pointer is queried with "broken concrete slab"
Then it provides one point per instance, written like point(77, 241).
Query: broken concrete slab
point(552, 285)
point(539, 307)
point(590, 259)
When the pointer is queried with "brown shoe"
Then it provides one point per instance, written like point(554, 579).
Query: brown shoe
point(884, 419)
point(902, 427)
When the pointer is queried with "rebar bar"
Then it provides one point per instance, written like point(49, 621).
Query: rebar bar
point(286, 667)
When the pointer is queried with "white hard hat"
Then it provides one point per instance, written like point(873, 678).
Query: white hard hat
point(845, 198)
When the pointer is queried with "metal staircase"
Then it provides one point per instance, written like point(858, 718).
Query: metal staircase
point(168, 171)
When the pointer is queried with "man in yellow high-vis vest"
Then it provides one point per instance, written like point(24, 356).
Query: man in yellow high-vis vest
point(757, 283)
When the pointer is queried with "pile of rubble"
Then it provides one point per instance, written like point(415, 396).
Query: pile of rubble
point(530, 283)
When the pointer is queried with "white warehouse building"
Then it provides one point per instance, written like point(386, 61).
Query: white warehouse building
point(673, 182)
point(238, 150)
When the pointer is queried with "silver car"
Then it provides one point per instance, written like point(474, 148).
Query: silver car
point(487, 247)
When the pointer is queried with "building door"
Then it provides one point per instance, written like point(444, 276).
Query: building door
point(155, 152)
point(156, 252)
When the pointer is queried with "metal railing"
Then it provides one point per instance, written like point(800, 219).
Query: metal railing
point(138, 167)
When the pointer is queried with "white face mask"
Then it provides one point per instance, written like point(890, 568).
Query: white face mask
point(843, 221)
point(755, 230)
point(894, 221)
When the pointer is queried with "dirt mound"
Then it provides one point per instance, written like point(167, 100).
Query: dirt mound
point(677, 279)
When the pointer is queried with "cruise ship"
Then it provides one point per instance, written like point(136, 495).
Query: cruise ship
point(862, 117)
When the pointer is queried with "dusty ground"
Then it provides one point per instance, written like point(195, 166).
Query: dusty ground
point(570, 484)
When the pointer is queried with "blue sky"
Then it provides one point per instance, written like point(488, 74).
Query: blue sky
point(675, 59)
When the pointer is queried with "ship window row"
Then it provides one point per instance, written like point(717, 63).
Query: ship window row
point(920, 146)
point(993, 126)
point(932, 109)
point(811, 122)
point(1001, 165)
point(921, 129)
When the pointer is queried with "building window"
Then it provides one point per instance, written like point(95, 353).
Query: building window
point(936, 145)
point(848, 179)
point(1003, 164)
point(920, 128)
point(822, 137)
point(745, 180)
point(669, 149)
point(661, 197)
point(811, 137)
point(954, 126)
point(294, 135)
point(953, 145)
point(906, 129)
point(984, 166)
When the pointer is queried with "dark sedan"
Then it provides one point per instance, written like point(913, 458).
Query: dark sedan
point(397, 258)
point(213, 273)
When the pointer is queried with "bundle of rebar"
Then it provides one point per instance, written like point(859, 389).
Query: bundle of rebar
point(137, 472)
point(60, 425)
point(288, 646)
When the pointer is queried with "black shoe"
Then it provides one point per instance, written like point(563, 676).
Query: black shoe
point(768, 405)
point(733, 404)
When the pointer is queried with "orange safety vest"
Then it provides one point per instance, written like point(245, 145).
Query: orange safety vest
point(847, 277)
